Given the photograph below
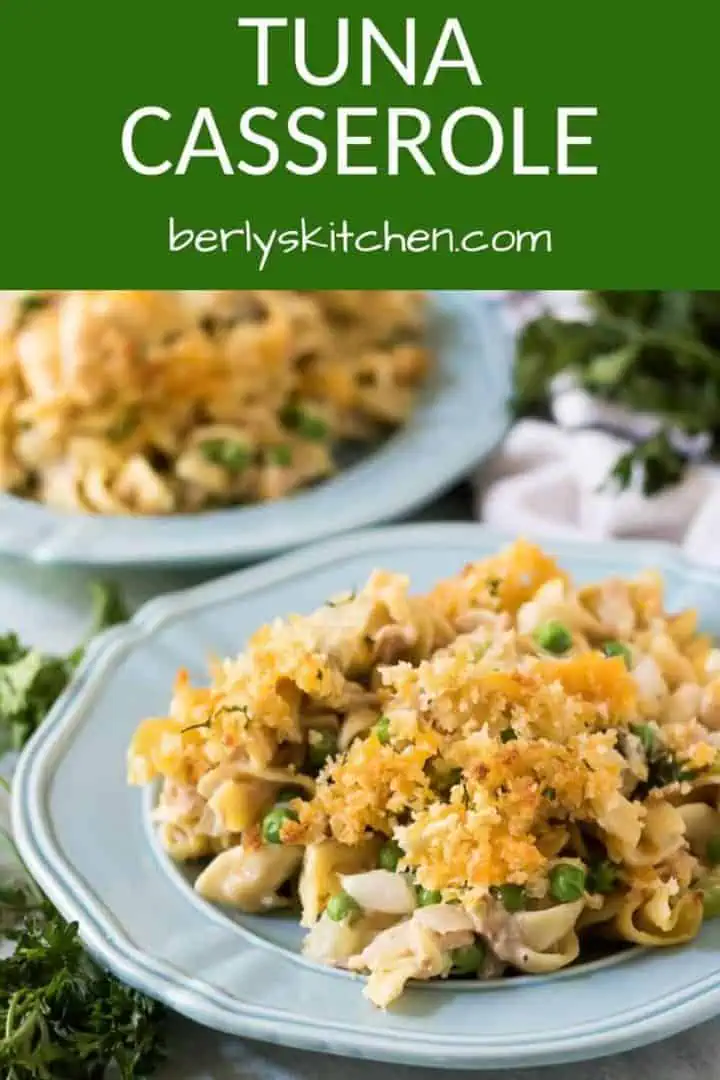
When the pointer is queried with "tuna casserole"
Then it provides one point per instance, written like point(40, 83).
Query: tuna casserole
point(487, 779)
point(161, 402)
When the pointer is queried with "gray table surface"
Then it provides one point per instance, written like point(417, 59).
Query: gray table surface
point(49, 607)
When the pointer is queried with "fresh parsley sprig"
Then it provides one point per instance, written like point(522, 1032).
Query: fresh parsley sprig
point(652, 352)
point(31, 681)
point(61, 1016)
point(656, 461)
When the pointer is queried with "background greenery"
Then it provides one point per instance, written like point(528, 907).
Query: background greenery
point(652, 352)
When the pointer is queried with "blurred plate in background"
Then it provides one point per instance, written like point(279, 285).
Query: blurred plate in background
point(462, 416)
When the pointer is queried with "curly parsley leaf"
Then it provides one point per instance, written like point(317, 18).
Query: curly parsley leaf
point(62, 1016)
point(658, 463)
point(31, 681)
point(109, 609)
point(29, 686)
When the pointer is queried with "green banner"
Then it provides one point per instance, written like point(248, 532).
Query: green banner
point(166, 144)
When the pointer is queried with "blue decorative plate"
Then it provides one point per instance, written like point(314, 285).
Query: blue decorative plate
point(460, 419)
point(86, 838)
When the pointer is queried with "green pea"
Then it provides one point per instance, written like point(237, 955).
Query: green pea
point(390, 855)
point(567, 882)
point(616, 648)
point(342, 906)
point(602, 877)
point(512, 897)
point(273, 822)
point(550, 793)
point(508, 735)
point(469, 959)
point(382, 730)
point(554, 637)
point(306, 424)
point(646, 735)
point(426, 897)
point(279, 455)
point(312, 427)
point(229, 454)
point(712, 851)
point(322, 744)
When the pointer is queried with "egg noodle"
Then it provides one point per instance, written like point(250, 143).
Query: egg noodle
point(488, 778)
point(158, 402)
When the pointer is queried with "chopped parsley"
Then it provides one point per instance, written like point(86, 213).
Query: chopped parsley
point(339, 601)
point(646, 735)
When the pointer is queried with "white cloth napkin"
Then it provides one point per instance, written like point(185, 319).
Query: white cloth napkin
point(548, 479)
